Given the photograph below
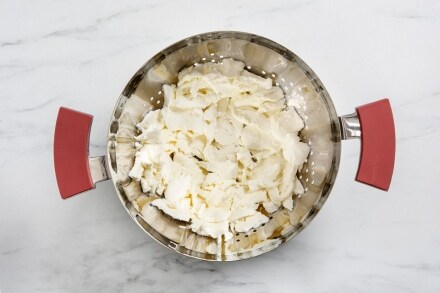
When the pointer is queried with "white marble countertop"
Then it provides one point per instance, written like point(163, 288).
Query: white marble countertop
point(80, 54)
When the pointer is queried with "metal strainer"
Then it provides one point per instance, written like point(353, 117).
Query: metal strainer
point(324, 130)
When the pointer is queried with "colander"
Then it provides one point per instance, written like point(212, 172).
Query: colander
point(324, 130)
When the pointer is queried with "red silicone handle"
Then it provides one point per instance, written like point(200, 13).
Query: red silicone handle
point(71, 152)
point(378, 144)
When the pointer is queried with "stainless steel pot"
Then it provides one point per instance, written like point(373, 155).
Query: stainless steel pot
point(324, 130)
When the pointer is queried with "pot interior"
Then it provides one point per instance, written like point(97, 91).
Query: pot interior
point(303, 90)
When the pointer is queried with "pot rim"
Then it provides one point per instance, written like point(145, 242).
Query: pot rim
point(286, 53)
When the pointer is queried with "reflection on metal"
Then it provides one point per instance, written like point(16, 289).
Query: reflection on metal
point(350, 126)
point(98, 169)
point(287, 71)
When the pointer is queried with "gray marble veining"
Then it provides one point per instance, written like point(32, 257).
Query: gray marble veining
point(81, 54)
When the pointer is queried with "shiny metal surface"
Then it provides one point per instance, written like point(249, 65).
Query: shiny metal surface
point(303, 90)
point(98, 169)
point(350, 126)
